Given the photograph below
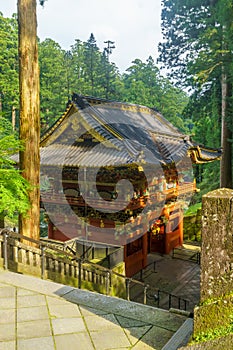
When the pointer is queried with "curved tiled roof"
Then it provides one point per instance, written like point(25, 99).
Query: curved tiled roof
point(124, 133)
point(59, 155)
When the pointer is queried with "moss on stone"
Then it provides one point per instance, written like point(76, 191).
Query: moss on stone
point(215, 315)
point(192, 228)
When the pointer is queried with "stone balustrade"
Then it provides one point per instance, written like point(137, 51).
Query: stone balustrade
point(59, 266)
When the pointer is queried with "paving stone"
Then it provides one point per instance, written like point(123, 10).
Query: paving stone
point(170, 322)
point(3, 285)
point(21, 291)
point(144, 313)
point(7, 316)
point(80, 341)
point(33, 329)
point(116, 339)
point(7, 292)
point(135, 333)
point(57, 301)
point(95, 323)
point(32, 313)
point(31, 300)
point(7, 332)
point(126, 322)
point(181, 337)
point(62, 290)
point(7, 303)
point(143, 346)
point(45, 343)
point(33, 283)
point(89, 311)
point(8, 345)
point(156, 338)
point(68, 325)
point(70, 310)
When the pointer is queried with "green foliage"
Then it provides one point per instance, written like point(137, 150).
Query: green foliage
point(85, 69)
point(13, 187)
point(192, 210)
point(92, 56)
point(43, 225)
point(13, 192)
point(213, 334)
point(192, 50)
point(54, 88)
point(9, 96)
point(143, 84)
point(82, 69)
point(197, 48)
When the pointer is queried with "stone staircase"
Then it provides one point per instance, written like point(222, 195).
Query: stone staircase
point(74, 318)
point(156, 328)
point(179, 278)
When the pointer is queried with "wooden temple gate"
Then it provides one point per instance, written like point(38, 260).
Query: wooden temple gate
point(118, 141)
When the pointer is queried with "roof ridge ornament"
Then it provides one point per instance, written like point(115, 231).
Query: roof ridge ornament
point(80, 101)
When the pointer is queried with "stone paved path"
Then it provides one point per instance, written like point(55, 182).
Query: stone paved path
point(178, 277)
point(43, 315)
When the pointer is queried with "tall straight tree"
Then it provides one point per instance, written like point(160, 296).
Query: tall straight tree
point(198, 47)
point(29, 113)
point(225, 12)
point(92, 60)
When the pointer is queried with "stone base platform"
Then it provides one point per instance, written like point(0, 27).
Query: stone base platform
point(37, 314)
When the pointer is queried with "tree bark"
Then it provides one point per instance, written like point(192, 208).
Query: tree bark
point(13, 117)
point(2, 220)
point(226, 136)
point(29, 113)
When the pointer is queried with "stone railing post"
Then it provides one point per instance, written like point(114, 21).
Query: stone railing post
point(43, 261)
point(5, 249)
point(216, 298)
point(107, 282)
point(127, 282)
point(79, 273)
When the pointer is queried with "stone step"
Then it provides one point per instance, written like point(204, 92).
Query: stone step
point(144, 326)
point(181, 337)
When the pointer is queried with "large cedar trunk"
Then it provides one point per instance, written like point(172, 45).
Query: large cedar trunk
point(29, 113)
point(226, 136)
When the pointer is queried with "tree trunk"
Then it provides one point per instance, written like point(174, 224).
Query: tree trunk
point(29, 113)
point(226, 136)
point(13, 117)
point(2, 220)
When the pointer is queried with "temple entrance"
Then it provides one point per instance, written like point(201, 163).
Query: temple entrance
point(157, 243)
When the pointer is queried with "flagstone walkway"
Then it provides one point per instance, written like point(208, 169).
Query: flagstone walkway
point(178, 277)
point(43, 315)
